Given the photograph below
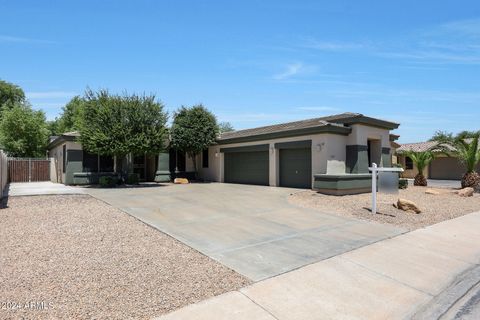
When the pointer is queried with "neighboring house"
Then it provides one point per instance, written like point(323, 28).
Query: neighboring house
point(330, 154)
point(445, 166)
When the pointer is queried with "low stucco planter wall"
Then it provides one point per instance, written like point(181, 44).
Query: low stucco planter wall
point(86, 178)
point(342, 184)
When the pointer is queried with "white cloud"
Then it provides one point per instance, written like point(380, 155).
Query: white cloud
point(467, 27)
point(13, 39)
point(332, 45)
point(321, 108)
point(294, 69)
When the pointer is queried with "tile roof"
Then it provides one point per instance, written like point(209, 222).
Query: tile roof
point(338, 120)
point(423, 146)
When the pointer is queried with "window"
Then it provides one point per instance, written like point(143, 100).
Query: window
point(205, 158)
point(106, 164)
point(90, 162)
point(64, 157)
point(408, 163)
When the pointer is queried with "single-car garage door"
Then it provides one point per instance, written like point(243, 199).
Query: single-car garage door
point(447, 168)
point(247, 166)
point(296, 166)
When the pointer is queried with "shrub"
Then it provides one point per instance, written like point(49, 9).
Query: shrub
point(107, 181)
point(133, 178)
point(402, 183)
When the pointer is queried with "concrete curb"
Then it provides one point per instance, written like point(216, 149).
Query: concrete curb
point(446, 300)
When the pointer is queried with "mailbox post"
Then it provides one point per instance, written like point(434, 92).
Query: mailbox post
point(375, 170)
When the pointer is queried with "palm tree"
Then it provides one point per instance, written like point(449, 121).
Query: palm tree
point(466, 149)
point(421, 160)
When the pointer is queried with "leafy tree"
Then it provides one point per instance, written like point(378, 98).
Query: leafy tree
point(10, 94)
point(23, 131)
point(193, 130)
point(421, 161)
point(53, 127)
point(442, 136)
point(225, 127)
point(466, 150)
point(71, 116)
point(120, 125)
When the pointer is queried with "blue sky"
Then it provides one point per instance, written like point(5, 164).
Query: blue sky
point(256, 63)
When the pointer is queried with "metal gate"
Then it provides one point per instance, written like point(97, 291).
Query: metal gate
point(28, 170)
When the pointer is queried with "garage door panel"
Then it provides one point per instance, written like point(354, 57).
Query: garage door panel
point(447, 168)
point(296, 168)
point(247, 168)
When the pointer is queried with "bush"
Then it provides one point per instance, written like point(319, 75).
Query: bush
point(402, 183)
point(107, 181)
point(133, 178)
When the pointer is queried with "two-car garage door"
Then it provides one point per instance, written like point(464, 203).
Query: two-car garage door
point(250, 165)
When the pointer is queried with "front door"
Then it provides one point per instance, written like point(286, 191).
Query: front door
point(139, 166)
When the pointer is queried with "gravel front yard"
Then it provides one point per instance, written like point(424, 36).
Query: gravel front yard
point(82, 258)
point(435, 208)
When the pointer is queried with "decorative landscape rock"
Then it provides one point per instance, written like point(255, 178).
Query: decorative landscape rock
point(432, 191)
point(466, 192)
point(407, 205)
point(180, 181)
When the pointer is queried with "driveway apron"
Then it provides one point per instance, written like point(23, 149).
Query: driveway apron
point(251, 229)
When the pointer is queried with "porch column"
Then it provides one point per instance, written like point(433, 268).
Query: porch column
point(163, 168)
point(357, 159)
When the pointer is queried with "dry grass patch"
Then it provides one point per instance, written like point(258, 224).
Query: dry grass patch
point(435, 208)
point(87, 259)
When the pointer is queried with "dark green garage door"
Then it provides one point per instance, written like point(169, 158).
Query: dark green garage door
point(246, 167)
point(296, 168)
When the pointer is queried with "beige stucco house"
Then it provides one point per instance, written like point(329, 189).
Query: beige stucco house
point(445, 166)
point(330, 154)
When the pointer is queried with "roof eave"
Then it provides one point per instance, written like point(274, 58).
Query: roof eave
point(329, 128)
point(61, 139)
point(369, 121)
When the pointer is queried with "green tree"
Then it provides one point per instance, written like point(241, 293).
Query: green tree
point(119, 125)
point(421, 161)
point(466, 150)
point(23, 131)
point(442, 136)
point(10, 94)
point(71, 115)
point(193, 130)
point(225, 127)
point(53, 127)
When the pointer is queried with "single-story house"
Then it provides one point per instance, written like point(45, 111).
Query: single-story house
point(445, 166)
point(330, 154)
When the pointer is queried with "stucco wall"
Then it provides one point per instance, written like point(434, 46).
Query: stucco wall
point(411, 173)
point(361, 133)
point(56, 164)
point(324, 147)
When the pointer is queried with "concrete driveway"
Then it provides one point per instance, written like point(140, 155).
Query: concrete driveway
point(435, 183)
point(40, 188)
point(251, 229)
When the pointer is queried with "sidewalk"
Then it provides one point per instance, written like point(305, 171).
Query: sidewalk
point(391, 279)
point(40, 188)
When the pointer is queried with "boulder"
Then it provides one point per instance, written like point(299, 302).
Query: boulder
point(466, 192)
point(180, 181)
point(432, 191)
point(407, 205)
